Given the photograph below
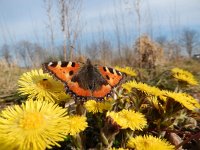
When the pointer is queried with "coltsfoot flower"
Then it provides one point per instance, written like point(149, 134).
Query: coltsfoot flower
point(148, 142)
point(76, 124)
point(143, 87)
point(184, 99)
point(128, 119)
point(35, 125)
point(183, 75)
point(95, 107)
point(126, 70)
point(41, 86)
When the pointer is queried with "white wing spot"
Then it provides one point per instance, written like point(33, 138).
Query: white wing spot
point(69, 64)
point(59, 63)
point(114, 71)
point(107, 69)
point(50, 63)
point(120, 73)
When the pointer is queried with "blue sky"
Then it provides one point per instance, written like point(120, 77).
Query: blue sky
point(25, 19)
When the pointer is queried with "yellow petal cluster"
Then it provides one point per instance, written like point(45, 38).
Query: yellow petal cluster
point(143, 87)
point(184, 75)
point(95, 107)
point(76, 124)
point(35, 125)
point(148, 142)
point(184, 99)
point(118, 148)
point(41, 86)
point(128, 119)
point(126, 70)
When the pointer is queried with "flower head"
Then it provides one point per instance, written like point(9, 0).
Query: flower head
point(41, 86)
point(76, 124)
point(142, 87)
point(128, 119)
point(34, 125)
point(127, 70)
point(184, 76)
point(149, 142)
point(184, 99)
point(118, 148)
point(95, 107)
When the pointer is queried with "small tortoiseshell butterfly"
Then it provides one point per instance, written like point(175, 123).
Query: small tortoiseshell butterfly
point(85, 81)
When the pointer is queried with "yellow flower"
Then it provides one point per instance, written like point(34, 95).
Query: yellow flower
point(76, 124)
point(186, 100)
point(118, 148)
point(127, 70)
point(142, 87)
point(149, 142)
point(95, 107)
point(41, 86)
point(128, 119)
point(184, 75)
point(35, 125)
point(156, 103)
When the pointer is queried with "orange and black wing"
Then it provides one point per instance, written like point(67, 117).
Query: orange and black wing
point(65, 71)
point(62, 70)
point(112, 76)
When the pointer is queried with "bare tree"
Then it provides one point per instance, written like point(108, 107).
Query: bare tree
point(161, 40)
point(117, 31)
point(137, 6)
point(92, 50)
point(128, 56)
point(106, 51)
point(49, 8)
point(189, 39)
point(173, 50)
point(122, 23)
point(38, 54)
point(8, 37)
point(63, 24)
point(31, 54)
point(174, 22)
point(104, 46)
point(70, 22)
point(5, 52)
point(148, 19)
point(21, 48)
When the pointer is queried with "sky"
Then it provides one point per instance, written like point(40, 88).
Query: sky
point(27, 19)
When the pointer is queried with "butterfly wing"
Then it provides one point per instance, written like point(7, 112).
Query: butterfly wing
point(62, 70)
point(65, 71)
point(104, 91)
point(73, 75)
point(112, 76)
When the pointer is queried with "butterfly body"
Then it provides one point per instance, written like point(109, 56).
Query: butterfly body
point(85, 81)
point(89, 77)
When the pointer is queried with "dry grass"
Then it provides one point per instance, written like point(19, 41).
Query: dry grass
point(149, 54)
point(9, 76)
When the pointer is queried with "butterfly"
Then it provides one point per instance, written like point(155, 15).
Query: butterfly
point(85, 81)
